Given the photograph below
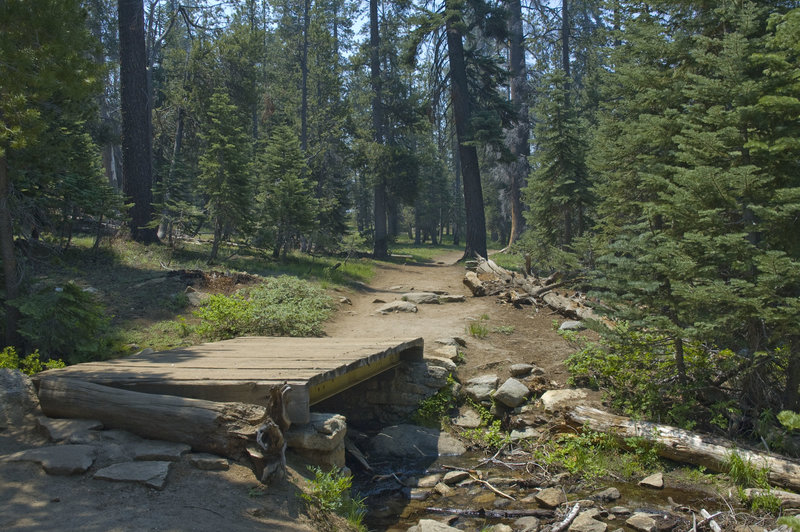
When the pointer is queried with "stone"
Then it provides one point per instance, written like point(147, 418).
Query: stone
point(655, 481)
point(441, 362)
point(58, 459)
point(551, 497)
point(511, 393)
point(66, 429)
point(454, 340)
point(17, 398)
point(448, 351)
point(209, 462)
point(429, 525)
point(450, 298)
point(158, 450)
point(620, 510)
point(443, 489)
point(586, 522)
point(481, 388)
point(379, 300)
point(468, 419)
point(527, 524)
point(525, 434)
point(520, 370)
point(454, 477)
point(145, 351)
point(558, 400)
point(151, 474)
point(397, 306)
point(345, 301)
point(421, 298)
point(321, 441)
point(196, 298)
point(501, 527)
point(572, 325)
point(641, 522)
point(610, 494)
point(412, 441)
point(429, 481)
point(485, 497)
point(419, 494)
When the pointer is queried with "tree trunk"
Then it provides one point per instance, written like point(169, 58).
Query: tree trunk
point(519, 134)
point(7, 252)
point(470, 171)
point(380, 245)
point(137, 170)
point(304, 82)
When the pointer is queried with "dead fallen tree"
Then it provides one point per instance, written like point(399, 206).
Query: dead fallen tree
point(489, 279)
point(226, 429)
point(685, 446)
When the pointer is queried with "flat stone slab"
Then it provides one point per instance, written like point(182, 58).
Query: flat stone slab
point(451, 298)
point(209, 462)
point(156, 450)
point(586, 522)
point(454, 340)
point(481, 388)
point(58, 459)
point(520, 370)
point(655, 481)
point(468, 419)
point(447, 351)
point(397, 306)
point(454, 477)
point(429, 525)
point(559, 400)
point(525, 434)
point(441, 362)
point(151, 474)
point(642, 522)
point(412, 441)
point(551, 497)
point(421, 298)
point(65, 429)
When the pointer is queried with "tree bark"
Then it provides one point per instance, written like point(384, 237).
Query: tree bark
point(380, 247)
point(137, 170)
point(519, 134)
point(8, 253)
point(470, 170)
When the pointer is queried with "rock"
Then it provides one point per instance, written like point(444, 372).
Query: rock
point(525, 434)
point(454, 477)
point(397, 306)
point(158, 450)
point(66, 429)
point(610, 494)
point(443, 489)
point(17, 398)
point(551, 497)
point(455, 340)
point(512, 393)
point(441, 362)
point(145, 351)
point(481, 388)
point(558, 400)
point(450, 298)
point(209, 462)
point(428, 481)
point(58, 459)
point(151, 474)
point(468, 419)
point(196, 298)
point(418, 494)
point(788, 499)
point(520, 370)
point(620, 510)
point(485, 497)
point(586, 522)
point(527, 524)
point(655, 481)
point(411, 441)
point(448, 351)
point(641, 522)
point(501, 527)
point(421, 298)
point(345, 301)
point(379, 300)
point(429, 525)
point(571, 325)
point(321, 441)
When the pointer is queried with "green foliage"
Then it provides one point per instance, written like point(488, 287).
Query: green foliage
point(792, 522)
point(490, 434)
point(584, 454)
point(478, 329)
point(431, 411)
point(765, 503)
point(29, 365)
point(790, 420)
point(283, 306)
point(744, 474)
point(330, 492)
point(65, 322)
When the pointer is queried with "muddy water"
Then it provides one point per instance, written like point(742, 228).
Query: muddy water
point(395, 502)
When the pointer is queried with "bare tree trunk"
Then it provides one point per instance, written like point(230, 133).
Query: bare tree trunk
point(380, 245)
point(137, 170)
point(10, 274)
point(470, 171)
point(519, 134)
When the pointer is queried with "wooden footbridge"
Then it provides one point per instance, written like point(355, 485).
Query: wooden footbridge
point(244, 369)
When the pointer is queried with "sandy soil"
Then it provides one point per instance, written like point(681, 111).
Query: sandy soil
point(232, 500)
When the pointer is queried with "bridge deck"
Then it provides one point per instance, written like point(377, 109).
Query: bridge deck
point(243, 369)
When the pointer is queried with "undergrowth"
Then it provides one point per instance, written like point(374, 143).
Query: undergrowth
point(29, 365)
point(432, 411)
point(330, 493)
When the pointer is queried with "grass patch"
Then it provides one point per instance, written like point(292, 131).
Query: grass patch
point(509, 261)
point(330, 493)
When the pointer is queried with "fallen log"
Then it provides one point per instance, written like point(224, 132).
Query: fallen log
point(685, 446)
point(226, 429)
point(474, 284)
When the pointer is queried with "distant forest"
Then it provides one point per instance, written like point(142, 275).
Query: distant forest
point(650, 151)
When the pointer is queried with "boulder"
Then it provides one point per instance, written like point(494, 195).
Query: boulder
point(551, 497)
point(655, 481)
point(454, 477)
point(441, 362)
point(512, 393)
point(411, 441)
point(481, 388)
point(429, 525)
point(397, 306)
point(151, 474)
point(450, 298)
point(58, 459)
point(448, 351)
point(209, 462)
point(641, 522)
point(520, 370)
point(527, 524)
point(607, 495)
point(560, 400)
point(572, 325)
point(17, 398)
point(443, 489)
point(421, 298)
point(586, 522)
point(321, 441)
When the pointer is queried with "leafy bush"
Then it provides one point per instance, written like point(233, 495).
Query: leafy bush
point(330, 492)
point(64, 322)
point(29, 365)
point(283, 306)
point(744, 474)
point(432, 410)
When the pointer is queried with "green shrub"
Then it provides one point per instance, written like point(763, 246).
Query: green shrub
point(283, 306)
point(330, 492)
point(28, 365)
point(585, 453)
point(65, 322)
point(744, 474)
point(432, 410)
point(792, 522)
